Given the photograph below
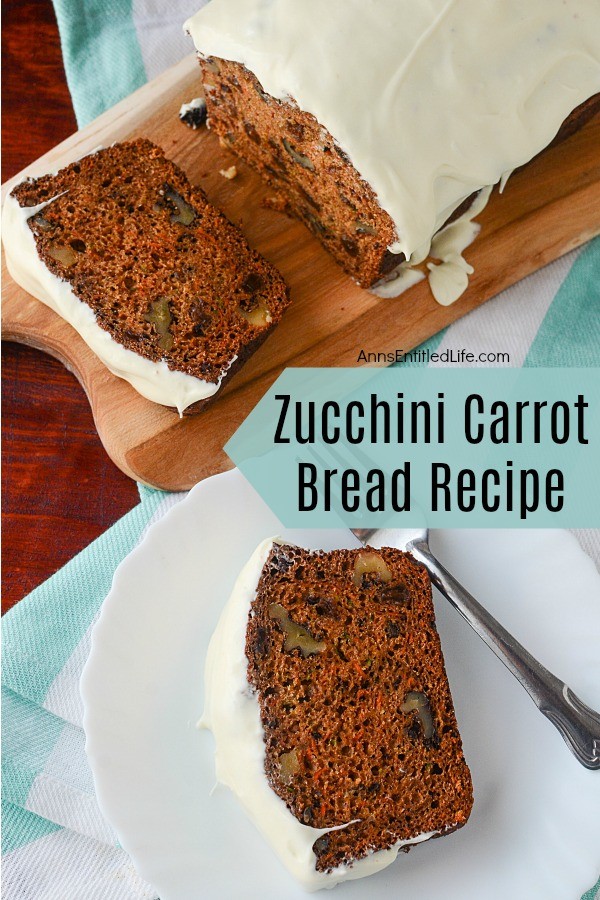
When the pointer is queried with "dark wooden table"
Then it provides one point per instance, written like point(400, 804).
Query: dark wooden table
point(59, 488)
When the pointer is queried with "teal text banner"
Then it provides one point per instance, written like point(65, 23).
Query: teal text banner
point(370, 447)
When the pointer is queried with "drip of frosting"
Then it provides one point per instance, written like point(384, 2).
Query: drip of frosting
point(431, 100)
point(232, 713)
point(153, 380)
point(401, 279)
point(449, 277)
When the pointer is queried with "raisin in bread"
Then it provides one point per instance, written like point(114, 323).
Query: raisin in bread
point(163, 287)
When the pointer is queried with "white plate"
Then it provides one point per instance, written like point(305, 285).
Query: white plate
point(534, 832)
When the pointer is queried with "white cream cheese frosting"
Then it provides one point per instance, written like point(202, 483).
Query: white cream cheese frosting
point(232, 713)
point(153, 380)
point(431, 99)
point(449, 277)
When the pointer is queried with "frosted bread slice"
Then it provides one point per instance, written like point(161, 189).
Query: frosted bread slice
point(345, 749)
point(158, 282)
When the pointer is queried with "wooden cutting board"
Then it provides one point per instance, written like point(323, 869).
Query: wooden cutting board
point(550, 207)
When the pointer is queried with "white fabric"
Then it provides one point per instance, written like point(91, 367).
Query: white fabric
point(63, 697)
point(159, 29)
point(81, 869)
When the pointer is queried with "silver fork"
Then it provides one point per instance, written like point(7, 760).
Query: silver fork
point(578, 724)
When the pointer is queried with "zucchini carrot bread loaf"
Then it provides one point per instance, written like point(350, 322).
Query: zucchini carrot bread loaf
point(158, 282)
point(379, 122)
point(331, 710)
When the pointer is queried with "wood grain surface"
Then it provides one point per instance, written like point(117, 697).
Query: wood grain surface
point(550, 207)
point(59, 488)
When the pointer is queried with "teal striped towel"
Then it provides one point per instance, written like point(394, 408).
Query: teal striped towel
point(56, 845)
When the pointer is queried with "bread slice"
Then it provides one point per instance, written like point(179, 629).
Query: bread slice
point(165, 274)
point(346, 750)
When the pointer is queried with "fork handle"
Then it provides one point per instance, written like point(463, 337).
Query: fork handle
point(578, 724)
